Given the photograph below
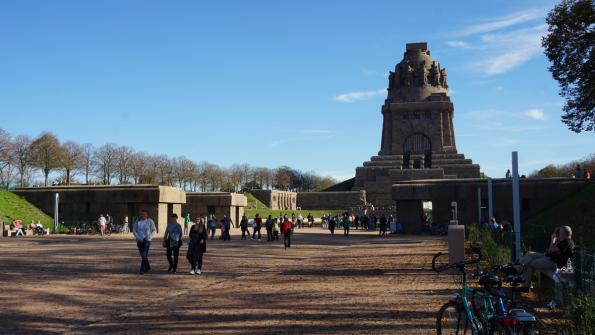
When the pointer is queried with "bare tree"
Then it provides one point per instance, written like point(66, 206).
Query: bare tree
point(22, 156)
point(236, 176)
point(104, 160)
point(72, 159)
point(88, 151)
point(123, 162)
point(6, 158)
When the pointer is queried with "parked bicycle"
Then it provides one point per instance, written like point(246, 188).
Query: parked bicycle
point(489, 310)
point(456, 316)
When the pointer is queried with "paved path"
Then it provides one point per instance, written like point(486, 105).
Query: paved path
point(322, 285)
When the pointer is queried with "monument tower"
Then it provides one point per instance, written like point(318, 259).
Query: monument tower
point(418, 140)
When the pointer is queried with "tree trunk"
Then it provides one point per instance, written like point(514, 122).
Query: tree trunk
point(67, 176)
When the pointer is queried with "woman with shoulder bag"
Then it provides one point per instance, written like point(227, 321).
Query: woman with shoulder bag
point(172, 240)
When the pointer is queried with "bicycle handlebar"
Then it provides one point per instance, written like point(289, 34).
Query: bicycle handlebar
point(459, 265)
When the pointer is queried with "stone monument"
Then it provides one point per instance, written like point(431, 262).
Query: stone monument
point(418, 139)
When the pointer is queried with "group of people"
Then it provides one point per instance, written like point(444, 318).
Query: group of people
point(503, 226)
point(144, 229)
point(36, 228)
point(365, 221)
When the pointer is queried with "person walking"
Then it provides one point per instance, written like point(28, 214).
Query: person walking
point(102, 223)
point(257, 226)
point(213, 225)
point(269, 227)
point(365, 222)
point(223, 235)
point(186, 222)
point(172, 241)
point(143, 230)
point(382, 230)
point(287, 230)
point(331, 225)
point(197, 246)
point(346, 225)
point(276, 229)
point(244, 227)
point(356, 222)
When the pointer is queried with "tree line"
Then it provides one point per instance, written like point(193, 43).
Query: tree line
point(22, 157)
point(566, 170)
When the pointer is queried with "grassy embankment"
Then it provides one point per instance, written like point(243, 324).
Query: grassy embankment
point(255, 206)
point(13, 207)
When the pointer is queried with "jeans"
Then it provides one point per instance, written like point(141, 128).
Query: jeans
point(256, 230)
point(173, 263)
point(213, 233)
point(245, 233)
point(276, 235)
point(346, 231)
point(143, 249)
point(287, 240)
point(269, 233)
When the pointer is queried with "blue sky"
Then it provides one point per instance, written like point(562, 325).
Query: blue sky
point(277, 82)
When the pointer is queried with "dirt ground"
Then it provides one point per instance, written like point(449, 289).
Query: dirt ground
point(322, 285)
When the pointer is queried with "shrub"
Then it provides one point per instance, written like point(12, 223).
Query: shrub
point(494, 250)
point(581, 313)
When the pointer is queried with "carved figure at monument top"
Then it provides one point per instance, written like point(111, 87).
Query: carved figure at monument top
point(417, 76)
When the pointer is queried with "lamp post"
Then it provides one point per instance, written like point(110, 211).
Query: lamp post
point(56, 207)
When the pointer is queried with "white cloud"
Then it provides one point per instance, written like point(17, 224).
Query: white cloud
point(504, 43)
point(535, 114)
point(358, 96)
point(458, 44)
point(511, 49)
point(499, 88)
point(493, 24)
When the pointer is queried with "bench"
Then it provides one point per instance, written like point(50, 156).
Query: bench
point(8, 231)
point(562, 278)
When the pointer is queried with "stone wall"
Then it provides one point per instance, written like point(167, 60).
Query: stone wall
point(277, 200)
point(536, 194)
point(217, 203)
point(331, 200)
point(86, 203)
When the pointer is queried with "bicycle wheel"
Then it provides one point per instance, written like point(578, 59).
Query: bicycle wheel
point(452, 320)
point(478, 302)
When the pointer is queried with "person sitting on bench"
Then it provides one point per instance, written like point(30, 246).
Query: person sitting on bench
point(557, 255)
point(38, 229)
point(17, 226)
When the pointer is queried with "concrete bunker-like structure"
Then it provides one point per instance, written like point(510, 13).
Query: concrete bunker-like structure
point(217, 203)
point(536, 194)
point(87, 202)
point(277, 200)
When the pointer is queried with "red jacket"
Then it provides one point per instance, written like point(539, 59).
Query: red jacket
point(286, 226)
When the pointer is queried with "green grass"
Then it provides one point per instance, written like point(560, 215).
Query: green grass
point(576, 211)
point(14, 207)
point(255, 206)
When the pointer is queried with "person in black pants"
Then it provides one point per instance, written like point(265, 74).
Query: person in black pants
point(257, 226)
point(331, 225)
point(197, 246)
point(172, 240)
point(269, 228)
point(244, 227)
point(382, 231)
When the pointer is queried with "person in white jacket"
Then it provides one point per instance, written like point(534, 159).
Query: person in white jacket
point(143, 231)
point(102, 223)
